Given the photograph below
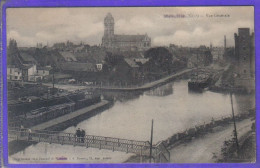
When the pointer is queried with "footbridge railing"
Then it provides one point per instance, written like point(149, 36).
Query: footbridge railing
point(140, 148)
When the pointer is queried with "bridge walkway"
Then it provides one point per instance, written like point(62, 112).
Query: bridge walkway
point(141, 148)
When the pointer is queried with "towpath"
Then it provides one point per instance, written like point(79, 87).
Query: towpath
point(202, 150)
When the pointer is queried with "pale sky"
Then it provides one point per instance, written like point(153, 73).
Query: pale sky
point(31, 25)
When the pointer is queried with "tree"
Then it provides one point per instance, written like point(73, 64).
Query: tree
point(160, 57)
point(12, 53)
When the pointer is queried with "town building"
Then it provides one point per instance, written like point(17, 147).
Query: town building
point(217, 53)
point(14, 73)
point(28, 72)
point(245, 59)
point(199, 57)
point(111, 40)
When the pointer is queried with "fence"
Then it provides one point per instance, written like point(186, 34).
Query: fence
point(142, 148)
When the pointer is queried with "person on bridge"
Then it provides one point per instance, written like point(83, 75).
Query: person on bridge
point(78, 134)
point(29, 134)
point(83, 133)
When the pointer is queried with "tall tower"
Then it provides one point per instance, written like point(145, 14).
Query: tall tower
point(244, 53)
point(107, 40)
point(109, 26)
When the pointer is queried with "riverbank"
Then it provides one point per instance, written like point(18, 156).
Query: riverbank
point(225, 83)
point(207, 149)
point(207, 140)
point(246, 152)
point(73, 118)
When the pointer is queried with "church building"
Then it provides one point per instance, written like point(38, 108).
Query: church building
point(123, 42)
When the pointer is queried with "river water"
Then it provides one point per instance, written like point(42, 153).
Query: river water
point(172, 107)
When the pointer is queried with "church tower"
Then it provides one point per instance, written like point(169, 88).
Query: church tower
point(108, 30)
point(109, 25)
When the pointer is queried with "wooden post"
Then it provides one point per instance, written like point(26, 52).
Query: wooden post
point(141, 155)
point(151, 142)
point(99, 144)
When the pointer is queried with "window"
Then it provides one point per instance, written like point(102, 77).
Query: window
point(244, 48)
point(244, 71)
point(244, 58)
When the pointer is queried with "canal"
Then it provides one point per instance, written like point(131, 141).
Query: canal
point(172, 106)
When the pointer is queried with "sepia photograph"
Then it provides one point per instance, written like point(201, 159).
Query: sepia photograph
point(131, 84)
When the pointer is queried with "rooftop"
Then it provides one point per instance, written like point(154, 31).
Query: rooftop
point(76, 66)
point(68, 56)
point(130, 38)
point(44, 68)
point(27, 57)
point(131, 63)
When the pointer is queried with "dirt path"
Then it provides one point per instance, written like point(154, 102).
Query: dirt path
point(201, 150)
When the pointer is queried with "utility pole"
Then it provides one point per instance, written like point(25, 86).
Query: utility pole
point(234, 121)
point(151, 143)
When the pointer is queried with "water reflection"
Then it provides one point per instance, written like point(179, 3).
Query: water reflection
point(121, 96)
point(161, 91)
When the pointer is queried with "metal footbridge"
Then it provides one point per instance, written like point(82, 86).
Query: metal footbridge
point(159, 154)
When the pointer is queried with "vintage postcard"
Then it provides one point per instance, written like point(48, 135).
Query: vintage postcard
point(131, 84)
